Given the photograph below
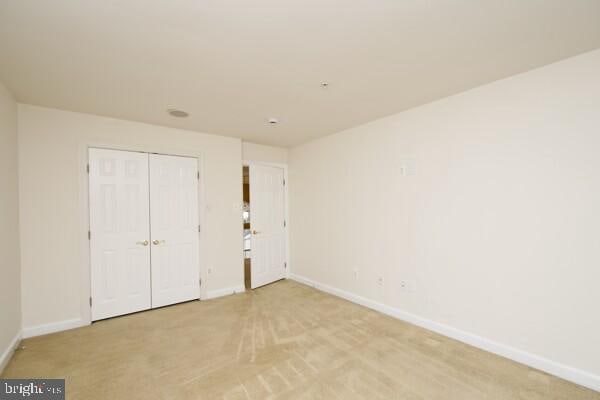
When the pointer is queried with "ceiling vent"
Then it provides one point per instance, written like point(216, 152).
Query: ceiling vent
point(177, 113)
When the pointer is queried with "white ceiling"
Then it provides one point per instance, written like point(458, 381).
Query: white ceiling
point(232, 64)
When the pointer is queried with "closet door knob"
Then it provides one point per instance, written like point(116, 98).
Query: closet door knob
point(157, 242)
point(144, 243)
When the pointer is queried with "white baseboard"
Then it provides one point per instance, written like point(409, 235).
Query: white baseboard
point(78, 322)
point(8, 352)
point(566, 372)
point(53, 327)
point(213, 294)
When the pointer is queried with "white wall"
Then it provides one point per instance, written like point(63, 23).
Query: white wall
point(52, 152)
point(487, 202)
point(261, 153)
point(10, 276)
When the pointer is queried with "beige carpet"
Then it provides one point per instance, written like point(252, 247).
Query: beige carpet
point(283, 341)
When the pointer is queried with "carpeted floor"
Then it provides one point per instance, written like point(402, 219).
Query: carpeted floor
point(282, 341)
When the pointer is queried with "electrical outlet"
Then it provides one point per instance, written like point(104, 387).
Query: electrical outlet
point(380, 281)
point(408, 285)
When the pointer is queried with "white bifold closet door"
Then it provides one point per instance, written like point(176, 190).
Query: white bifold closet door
point(144, 231)
point(174, 229)
point(267, 219)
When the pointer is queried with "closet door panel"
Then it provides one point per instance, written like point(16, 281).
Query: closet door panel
point(174, 229)
point(119, 232)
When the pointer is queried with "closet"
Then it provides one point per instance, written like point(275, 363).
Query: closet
point(144, 240)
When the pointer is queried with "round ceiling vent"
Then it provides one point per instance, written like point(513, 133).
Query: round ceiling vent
point(177, 113)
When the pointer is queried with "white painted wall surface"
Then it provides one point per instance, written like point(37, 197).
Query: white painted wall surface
point(52, 151)
point(486, 202)
point(261, 153)
point(10, 275)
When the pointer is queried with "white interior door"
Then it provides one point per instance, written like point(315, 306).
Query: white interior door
point(267, 219)
point(119, 227)
point(174, 229)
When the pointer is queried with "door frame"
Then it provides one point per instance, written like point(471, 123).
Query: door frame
point(84, 217)
point(248, 163)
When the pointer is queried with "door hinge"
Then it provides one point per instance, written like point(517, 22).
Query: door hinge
point(87, 168)
point(198, 175)
point(90, 301)
point(200, 282)
point(89, 235)
point(285, 265)
point(198, 228)
point(284, 224)
point(284, 182)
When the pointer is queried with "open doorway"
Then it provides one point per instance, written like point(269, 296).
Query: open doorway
point(247, 232)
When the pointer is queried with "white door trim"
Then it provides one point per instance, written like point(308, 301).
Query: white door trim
point(84, 214)
point(248, 163)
